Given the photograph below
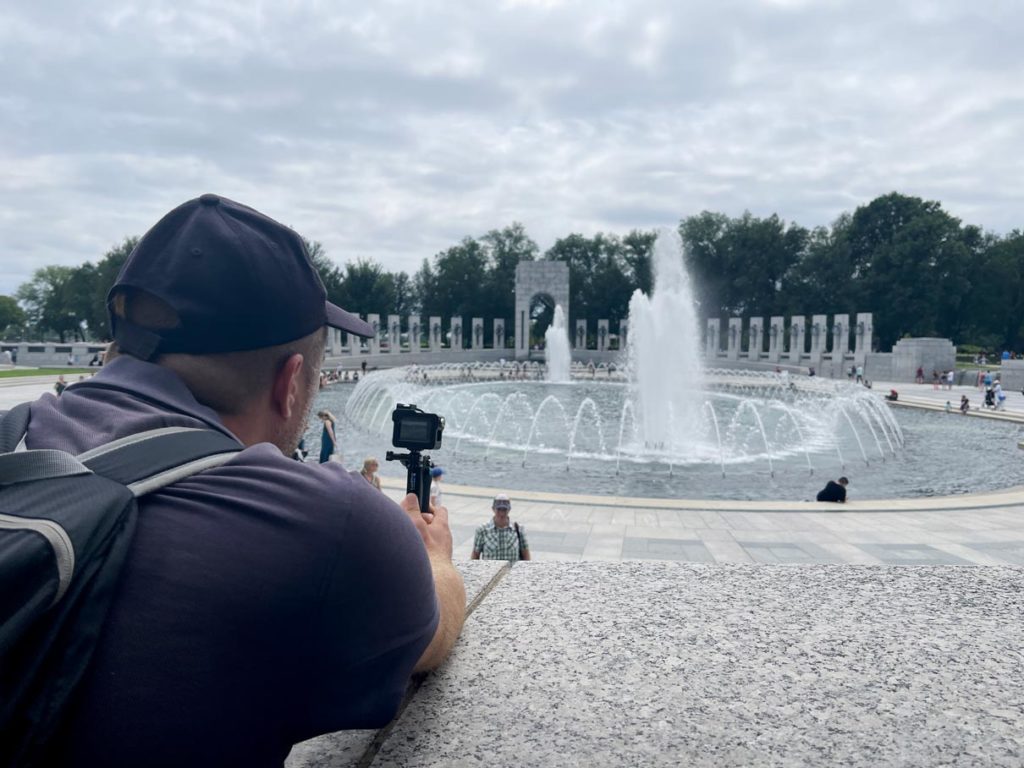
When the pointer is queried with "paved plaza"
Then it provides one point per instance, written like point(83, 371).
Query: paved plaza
point(973, 529)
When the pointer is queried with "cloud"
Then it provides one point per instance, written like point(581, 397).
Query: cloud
point(393, 130)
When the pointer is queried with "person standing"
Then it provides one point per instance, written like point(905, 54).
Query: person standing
point(436, 473)
point(919, 378)
point(834, 491)
point(949, 379)
point(498, 539)
point(60, 385)
point(328, 436)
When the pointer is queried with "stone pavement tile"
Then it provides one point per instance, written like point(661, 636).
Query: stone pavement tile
point(569, 543)
point(624, 517)
point(726, 550)
point(691, 519)
point(648, 517)
point(787, 552)
point(972, 555)
point(713, 519)
point(663, 548)
point(601, 515)
point(911, 554)
point(849, 553)
point(715, 534)
point(672, 664)
point(1011, 552)
point(346, 748)
point(670, 518)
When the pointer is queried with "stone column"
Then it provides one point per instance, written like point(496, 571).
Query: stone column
point(755, 339)
point(862, 336)
point(476, 339)
point(394, 334)
point(415, 333)
point(455, 340)
point(819, 340)
point(735, 337)
point(435, 333)
point(333, 347)
point(498, 331)
point(580, 342)
point(776, 331)
point(711, 342)
point(796, 338)
point(840, 338)
point(373, 343)
point(602, 335)
point(623, 332)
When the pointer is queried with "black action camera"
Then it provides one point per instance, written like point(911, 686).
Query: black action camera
point(416, 431)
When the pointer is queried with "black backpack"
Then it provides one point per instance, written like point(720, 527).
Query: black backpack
point(66, 523)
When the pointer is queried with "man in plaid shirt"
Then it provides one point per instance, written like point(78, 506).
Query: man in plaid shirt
point(497, 540)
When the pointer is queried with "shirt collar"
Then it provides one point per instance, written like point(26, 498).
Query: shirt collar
point(155, 383)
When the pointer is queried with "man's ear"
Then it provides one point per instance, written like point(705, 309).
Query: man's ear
point(287, 386)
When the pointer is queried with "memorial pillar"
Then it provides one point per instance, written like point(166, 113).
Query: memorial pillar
point(602, 335)
point(455, 337)
point(776, 338)
point(415, 333)
point(498, 333)
point(623, 333)
point(435, 335)
point(394, 334)
point(796, 338)
point(819, 339)
point(735, 335)
point(373, 343)
point(711, 339)
point(476, 340)
point(840, 338)
point(580, 341)
point(755, 339)
point(862, 336)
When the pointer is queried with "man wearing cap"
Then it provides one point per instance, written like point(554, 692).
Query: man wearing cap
point(497, 540)
point(264, 601)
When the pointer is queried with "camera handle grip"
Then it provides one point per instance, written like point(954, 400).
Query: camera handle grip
point(418, 477)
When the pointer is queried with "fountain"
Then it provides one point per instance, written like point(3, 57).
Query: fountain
point(655, 420)
point(556, 348)
point(664, 352)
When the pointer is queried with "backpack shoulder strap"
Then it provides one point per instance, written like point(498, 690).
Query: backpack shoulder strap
point(151, 460)
point(13, 424)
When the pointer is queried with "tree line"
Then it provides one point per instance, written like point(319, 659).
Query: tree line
point(921, 271)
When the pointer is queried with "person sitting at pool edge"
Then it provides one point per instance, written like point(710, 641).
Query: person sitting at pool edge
point(834, 491)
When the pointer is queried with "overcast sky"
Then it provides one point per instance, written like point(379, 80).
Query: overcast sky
point(391, 130)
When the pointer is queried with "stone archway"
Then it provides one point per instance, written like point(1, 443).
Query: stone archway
point(533, 278)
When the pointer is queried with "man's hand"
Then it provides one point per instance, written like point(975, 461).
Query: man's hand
point(432, 526)
point(451, 592)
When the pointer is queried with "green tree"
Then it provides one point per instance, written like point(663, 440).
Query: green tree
point(638, 255)
point(910, 266)
point(598, 284)
point(50, 304)
point(12, 317)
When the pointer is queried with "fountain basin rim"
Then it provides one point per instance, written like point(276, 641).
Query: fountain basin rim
point(1011, 496)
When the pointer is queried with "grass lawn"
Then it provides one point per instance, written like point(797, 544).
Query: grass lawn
point(68, 371)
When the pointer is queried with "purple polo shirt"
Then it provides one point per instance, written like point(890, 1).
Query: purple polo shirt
point(263, 602)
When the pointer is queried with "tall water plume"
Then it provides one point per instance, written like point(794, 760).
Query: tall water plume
point(664, 352)
point(556, 348)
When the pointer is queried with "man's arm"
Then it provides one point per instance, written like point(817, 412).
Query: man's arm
point(448, 586)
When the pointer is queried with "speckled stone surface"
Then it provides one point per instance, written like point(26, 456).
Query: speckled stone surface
point(597, 664)
point(346, 748)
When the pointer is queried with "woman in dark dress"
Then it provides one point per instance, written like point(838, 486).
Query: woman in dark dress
point(328, 439)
